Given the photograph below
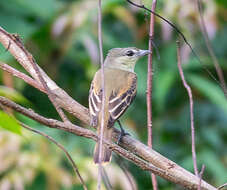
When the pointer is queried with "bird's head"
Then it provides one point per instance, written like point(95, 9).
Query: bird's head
point(124, 58)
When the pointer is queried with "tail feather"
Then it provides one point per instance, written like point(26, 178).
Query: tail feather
point(106, 153)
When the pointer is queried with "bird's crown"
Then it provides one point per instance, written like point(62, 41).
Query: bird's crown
point(118, 52)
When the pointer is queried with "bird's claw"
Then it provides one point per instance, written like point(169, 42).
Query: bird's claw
point(122, 134)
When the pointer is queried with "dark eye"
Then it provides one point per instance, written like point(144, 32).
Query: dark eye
point(130, 53)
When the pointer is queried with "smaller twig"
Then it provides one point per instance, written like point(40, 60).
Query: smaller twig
point(128, 175)
point(222, 186)
point(210, 49)
point(49, 93)
point(22, 76)
point(188, 88)
point(75, 168)
point(201, 176)
point(106, 180)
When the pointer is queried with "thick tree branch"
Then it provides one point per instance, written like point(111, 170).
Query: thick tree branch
point(137, 152)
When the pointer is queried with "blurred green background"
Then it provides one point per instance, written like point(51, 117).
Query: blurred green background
point(62, 36)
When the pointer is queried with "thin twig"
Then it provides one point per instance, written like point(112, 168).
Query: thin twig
point(210, 48)
point(188, 88)
point(149, 88)
point(106, 180)
point(22, 76)
point(181, 34)
point(103, 92)
point(128, 175)
point(75, 168)
point(201, 176)
point(49, 92)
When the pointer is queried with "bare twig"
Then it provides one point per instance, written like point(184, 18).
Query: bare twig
point(149, 88)
point(103, 91)
point(128, 175)
point(201, 176)
point(22, 76)
point(188, 88)
point(105, 179)
point(49, 93)
point(210, 49)
point(75, 168)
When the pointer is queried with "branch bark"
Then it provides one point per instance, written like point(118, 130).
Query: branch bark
point(131, 149)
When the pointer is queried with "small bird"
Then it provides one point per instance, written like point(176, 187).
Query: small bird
point(120, 90)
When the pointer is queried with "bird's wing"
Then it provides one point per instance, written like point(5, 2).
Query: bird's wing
point(95, 101)
point(119, 102)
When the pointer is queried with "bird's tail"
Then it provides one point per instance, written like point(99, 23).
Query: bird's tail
point(106, 153)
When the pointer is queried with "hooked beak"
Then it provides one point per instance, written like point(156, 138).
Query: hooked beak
point(143, 53)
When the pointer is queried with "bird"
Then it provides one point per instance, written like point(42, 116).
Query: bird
point(120, 90)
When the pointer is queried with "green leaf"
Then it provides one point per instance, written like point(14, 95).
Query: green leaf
point(9, 123)
point(210, 90)
point(12, 95)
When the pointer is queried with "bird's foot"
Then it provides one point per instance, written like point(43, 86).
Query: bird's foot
point(122, 134)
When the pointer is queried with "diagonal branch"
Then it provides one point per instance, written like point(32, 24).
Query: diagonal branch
point(13, 44)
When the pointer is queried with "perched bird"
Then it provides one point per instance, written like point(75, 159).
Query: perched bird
point(120, 90)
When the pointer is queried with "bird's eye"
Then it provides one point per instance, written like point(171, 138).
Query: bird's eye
point(130, 53)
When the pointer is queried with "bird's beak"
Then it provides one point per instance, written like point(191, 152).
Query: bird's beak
point(143, 53)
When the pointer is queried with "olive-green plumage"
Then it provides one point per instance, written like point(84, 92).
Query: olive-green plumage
point(120, 90)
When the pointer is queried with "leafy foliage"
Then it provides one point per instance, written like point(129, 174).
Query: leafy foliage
point(9, 123)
